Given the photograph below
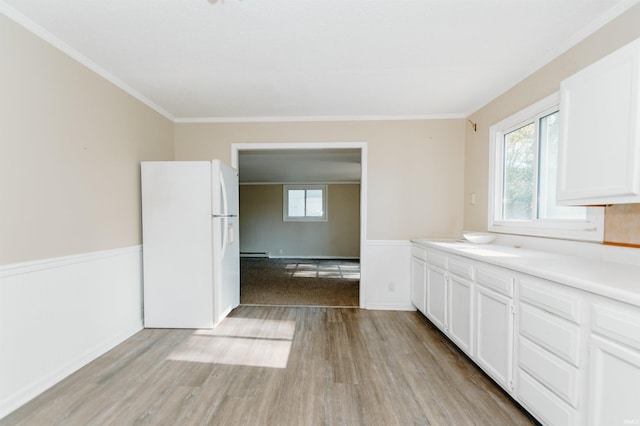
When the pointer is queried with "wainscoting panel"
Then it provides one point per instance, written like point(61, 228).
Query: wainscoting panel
point(385, 276)
point(56, 315)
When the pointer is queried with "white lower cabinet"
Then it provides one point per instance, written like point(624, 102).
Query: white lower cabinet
point(494, 331)
point(461, 312)
point(570, 357)
point(550, 350)
point(437, 296)
point(614, 368)
point(543, 404)
point(555, 374)
point(448, 295)
point(547, 385)
point(558, 336)
point(614, 386)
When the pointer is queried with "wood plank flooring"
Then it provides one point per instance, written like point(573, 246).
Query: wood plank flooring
point(281, 366)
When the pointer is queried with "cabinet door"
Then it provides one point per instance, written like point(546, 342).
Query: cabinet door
point(460, 312)
point(494, 331)
point(599, 152)
point(614, 378)
point(437, 296)
point(418, 283)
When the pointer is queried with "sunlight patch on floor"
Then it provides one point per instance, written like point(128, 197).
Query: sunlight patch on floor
point(252, 328)
point(332, 271)
point(240, 341)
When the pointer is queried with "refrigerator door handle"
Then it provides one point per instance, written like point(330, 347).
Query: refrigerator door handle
point(225, 236)
point(225, 204)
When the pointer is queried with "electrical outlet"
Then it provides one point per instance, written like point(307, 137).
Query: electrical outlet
point(392, 287)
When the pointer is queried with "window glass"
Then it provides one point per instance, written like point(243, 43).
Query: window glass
point(547, 208)
point(314, 203)
point(296, 202)
point(519, 161)
point(304, 203)
point(523, 170)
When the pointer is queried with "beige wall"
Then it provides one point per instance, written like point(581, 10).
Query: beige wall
point(415, 167)
point(540, 84)
point(263, 230)
point(70, 147)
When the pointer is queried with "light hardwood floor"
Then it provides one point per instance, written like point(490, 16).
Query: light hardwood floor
point(281, 366)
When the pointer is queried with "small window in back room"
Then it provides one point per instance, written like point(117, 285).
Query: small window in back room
point(304, 203)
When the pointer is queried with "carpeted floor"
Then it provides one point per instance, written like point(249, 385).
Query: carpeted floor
point(300, 282)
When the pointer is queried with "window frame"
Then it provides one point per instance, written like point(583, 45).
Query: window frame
point(305, 187)
point(591, 229)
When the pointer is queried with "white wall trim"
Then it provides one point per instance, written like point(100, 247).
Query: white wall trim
point(402, 243)
point(45, 35)
point(57, 262)
point(58, 314)
point(388, 272)
point(364, 191)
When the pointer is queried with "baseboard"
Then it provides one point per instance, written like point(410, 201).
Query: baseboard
point(281, 256)
point(262, 254)
point(390, 307)
point(57, 315)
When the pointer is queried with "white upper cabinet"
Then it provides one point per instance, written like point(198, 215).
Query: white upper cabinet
point(599, 151)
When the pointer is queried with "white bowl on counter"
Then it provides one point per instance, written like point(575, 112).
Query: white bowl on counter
point(479, 237)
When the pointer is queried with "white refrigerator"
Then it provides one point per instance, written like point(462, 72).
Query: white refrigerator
point(191, 254)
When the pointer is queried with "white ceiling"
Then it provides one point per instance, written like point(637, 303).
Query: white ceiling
point(227, 60)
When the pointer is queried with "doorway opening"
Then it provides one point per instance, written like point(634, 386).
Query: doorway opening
point(308, 255)
point(300, 282)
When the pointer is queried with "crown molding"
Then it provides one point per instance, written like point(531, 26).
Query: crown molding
point(319, 118)
point(45, 35)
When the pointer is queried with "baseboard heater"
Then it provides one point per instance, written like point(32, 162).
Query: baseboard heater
point(254, 254)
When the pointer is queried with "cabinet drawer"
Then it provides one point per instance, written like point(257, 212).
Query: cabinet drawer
point(617, 322)
point(551, 297)
point(547, 407)
point(436, 258)
point(419, 252)
point(555, 334)
point(549, 370)
point(495, 279)
point(461, 268)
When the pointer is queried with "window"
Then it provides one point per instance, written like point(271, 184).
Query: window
point(304, 203)
point(523, 168)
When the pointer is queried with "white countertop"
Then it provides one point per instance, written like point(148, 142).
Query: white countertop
point(614, 280)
